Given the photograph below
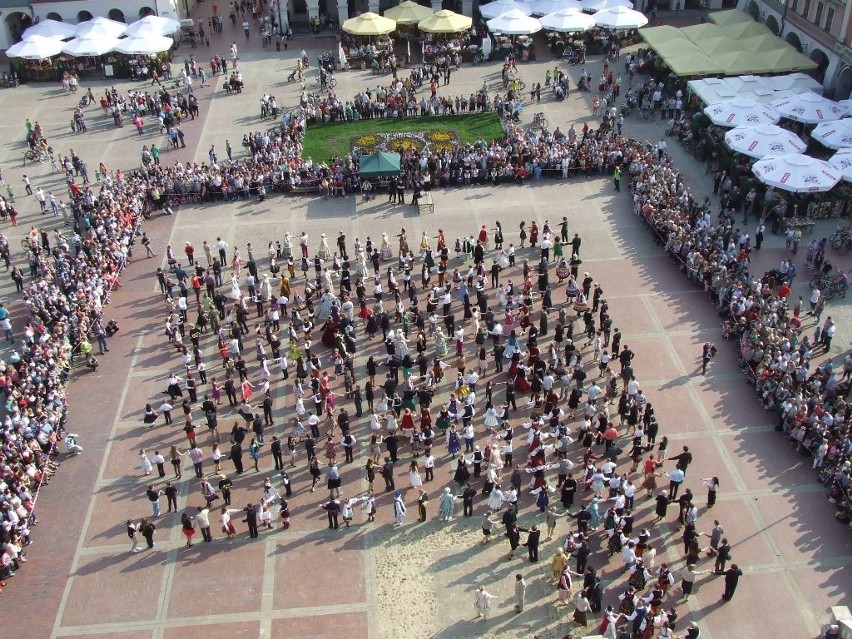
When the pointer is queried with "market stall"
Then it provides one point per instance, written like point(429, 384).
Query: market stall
point(447, 39)
point(367, 43)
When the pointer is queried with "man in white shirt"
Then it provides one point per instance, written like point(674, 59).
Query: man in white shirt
point(222, 245)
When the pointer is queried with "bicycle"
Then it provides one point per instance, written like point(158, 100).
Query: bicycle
point(540, 122)
point(35, 155)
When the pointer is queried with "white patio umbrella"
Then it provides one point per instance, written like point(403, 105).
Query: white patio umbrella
point(35, 48)
point(144, 45)
point(514, 22)
point(546, 7)
point(741, 112)
point(602, 5)
point(499, 7)
point(764, 139)
point(83, 47)
point(809, 108)
point(846, 104)
point(50, 29)
point(796, 173)
point(842, 160)
point(834, 135)
point(153, 25)
point(620, 18)
point(568, 21)
point(99, 27)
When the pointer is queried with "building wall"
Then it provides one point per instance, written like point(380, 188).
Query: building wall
point(70, 10)
point(818, 28)
point(10, 23)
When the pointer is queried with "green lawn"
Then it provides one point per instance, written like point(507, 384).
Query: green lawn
point(323, 141)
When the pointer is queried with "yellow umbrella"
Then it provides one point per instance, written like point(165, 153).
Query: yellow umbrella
point(369, 24)
point(445, 21)
point(408, 13)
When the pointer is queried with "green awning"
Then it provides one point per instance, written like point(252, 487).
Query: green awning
point(742, 63)
point(659, 37)
point(745, 30)
point(698, 32)
point(381, 163)
point(763, 43)
point(731, 16)
point(787, 60)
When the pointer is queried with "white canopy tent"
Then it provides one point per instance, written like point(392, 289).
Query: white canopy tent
point(546, 7)
point(35, 48)
point(50, 29)
point(764, 91)
point(100, 27)
point(89, 47)
point(620, 18)
point(514, 23)
point(499, 7)
point(796, 173)
point(153, 25)
point(144, 45)
point(568, 21)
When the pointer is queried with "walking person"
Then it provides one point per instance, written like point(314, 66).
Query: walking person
point(399, 509)
point(132, 530)
point(520, 592)
point(482, 602)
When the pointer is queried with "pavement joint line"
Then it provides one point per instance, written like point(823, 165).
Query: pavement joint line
point(75, 561)
point(267, 602)
point(158, 626)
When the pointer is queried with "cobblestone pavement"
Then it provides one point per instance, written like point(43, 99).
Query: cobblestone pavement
point(313, 582)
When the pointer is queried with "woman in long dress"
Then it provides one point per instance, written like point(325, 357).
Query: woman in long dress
point(235, 293)
point(495, 499)
point(386, 251)
point(445, 510)
point(482, 601)
point(414, 479)
point(324, 253)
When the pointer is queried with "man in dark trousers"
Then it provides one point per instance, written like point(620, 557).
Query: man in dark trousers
point(251, 520)
point(582, 553)
point(723, 554)
point(467, 500)
point(237, 456)
point(583, 517)
point(392, 446)
point(732, 577)
point(575, 245)
point(275, 449)
point(563, 230)
point(533, 539)
point(332, 509)
point(709, 352)
point(683, 459)
point(387, 475)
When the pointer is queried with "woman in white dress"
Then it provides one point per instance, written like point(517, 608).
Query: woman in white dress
point(495, 499)
point(375, 423)
point(324, 253)
point(392, 423)
point(414, 478)
point(288, 246)
point(386, 251)
point(235, 293)
point(491, 420)
point(361, 264)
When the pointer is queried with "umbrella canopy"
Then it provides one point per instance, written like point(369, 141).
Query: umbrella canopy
point(381, 163)
point(546, 7)
point(796, 173)
point(568, 21)
point(834, 135)
point(83, 47)
point(144, 45)
point(514, 22)
point(50, 29)
point(764, 139)
point(842, 160)
point(445, 21)
point(620, 18)
point(153, 25)
point(809, 108)
point(499, 7)
point(408, 12)
point(731, 16)
point(602, 5)
point(846, 104)
point(369, 24)
point(741, 112)
point(35, 48)
point(100, 27)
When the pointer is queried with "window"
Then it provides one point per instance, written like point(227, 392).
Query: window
point(795, 6)
point(829, 18)
point(807, 8)
point(818, 15)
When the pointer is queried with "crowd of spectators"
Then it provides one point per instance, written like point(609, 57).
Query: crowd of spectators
point(72, 278)
point(768, 327)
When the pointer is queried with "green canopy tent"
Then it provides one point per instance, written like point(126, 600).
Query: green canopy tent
point(787, 60)
point(377, 164)
point(661, 36)
point(686, 60)
point(731, 16)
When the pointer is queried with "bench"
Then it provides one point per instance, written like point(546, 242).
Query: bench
point(426, 202)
